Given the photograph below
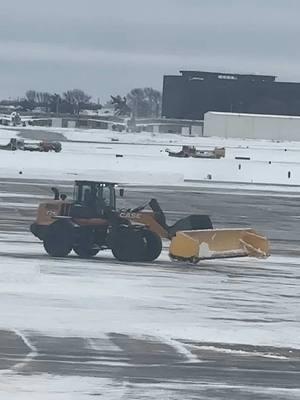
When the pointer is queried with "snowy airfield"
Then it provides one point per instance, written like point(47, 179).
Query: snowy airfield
point(142, 158)
point(80, 329)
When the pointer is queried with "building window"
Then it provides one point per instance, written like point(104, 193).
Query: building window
point(232, 77)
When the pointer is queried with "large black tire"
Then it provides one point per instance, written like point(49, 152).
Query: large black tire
point(86, 238)
point(153, 245)
point(57, 147)
point(85, 252)
point(128, 245)
point(58, 241)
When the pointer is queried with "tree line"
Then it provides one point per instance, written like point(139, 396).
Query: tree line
point(139, 102)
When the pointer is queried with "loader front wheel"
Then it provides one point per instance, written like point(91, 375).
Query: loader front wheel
point(128, 245)
point(153, 246)
point(58, 239)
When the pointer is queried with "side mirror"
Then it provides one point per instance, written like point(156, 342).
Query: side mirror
point(122, 192)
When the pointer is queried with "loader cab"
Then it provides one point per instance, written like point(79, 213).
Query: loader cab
point(97, 197)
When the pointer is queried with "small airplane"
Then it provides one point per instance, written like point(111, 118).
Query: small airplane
point(15, 119)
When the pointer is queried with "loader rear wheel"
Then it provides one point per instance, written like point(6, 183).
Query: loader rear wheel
point(58, 239)
point(85, 252)
point(128, 245)
point(153, 246)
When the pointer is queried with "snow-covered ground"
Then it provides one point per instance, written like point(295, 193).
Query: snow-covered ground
point(219, 304)
point(137, 158)
point(208, 323)
point(236, 302)
point(94, 297)
point(49, 387)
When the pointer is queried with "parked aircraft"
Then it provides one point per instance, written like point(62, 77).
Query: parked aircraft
point(15, 119)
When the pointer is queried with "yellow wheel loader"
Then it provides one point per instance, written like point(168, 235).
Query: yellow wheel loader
point(91, 222)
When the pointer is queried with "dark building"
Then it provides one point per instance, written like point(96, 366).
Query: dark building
point(193, 93)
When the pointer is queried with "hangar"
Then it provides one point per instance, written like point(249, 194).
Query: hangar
point(192, 93)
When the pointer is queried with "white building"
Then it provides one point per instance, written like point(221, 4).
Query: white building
point(252, 126)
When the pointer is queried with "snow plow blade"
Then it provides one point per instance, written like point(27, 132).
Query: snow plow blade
point(194, 246)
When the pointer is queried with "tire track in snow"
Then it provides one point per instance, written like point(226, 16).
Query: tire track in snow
point(30, 356)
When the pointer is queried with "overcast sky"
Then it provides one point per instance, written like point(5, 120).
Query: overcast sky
point(111, 46)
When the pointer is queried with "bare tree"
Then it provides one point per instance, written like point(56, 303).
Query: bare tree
point(31, 96)
point(72, 101)
point(120, 106)
point(77, 98)
point(145, 102)
point(153, 98)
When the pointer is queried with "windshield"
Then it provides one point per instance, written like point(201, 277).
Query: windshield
point(103, 196)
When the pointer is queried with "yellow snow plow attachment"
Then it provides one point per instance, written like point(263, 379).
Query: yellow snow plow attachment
point(199, 245)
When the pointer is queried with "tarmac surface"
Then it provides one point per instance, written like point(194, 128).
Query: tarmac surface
point(191, 369)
